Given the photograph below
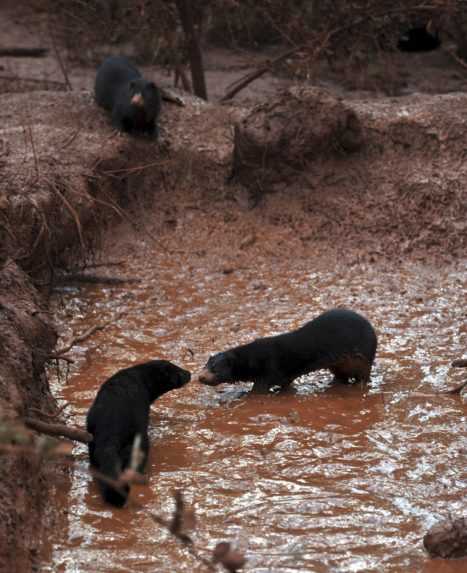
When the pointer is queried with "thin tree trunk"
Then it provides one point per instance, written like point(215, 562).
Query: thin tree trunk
point(185, 9)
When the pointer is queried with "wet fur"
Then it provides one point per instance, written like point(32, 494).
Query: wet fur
point(120, 411)
point(339, 340)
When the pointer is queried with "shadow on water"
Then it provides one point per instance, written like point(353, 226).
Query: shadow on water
point(329, 478)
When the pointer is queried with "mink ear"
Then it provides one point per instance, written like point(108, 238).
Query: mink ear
point(132, 84)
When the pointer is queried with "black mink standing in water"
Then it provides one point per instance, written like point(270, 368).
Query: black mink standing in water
point(135, 103)
point(120, 412)
point(339, 340)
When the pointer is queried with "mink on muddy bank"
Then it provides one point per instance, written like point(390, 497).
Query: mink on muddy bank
point(339, 340)
point(135, 103)
point(120, 412)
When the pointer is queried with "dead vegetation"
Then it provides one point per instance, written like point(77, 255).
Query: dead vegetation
point(354, 42)
point(53, 190)
point(277, 139)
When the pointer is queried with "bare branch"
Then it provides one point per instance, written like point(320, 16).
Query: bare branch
point(76, 434)
point(23, 52)
point(82, 337)
point(96, 279)
point(59, 57)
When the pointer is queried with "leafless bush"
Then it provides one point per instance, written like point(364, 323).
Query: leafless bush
point(144, 29)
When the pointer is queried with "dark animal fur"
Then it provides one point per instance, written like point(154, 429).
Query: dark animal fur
point(339, 340)
point(121, 411)
point(134, 102)
point(419, 39)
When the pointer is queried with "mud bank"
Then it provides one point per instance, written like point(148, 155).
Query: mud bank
point(58, 191)
point(66, 177)
point(26, 338)
point(397, 190)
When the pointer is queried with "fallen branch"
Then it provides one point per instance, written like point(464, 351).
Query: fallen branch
point(456, 58)
point(43, 414)
point(58, 56)
point(81, 338)
point(60, 450)
point(71, 433)
point(166, 95)
point(241, 83)
point(95, 279)
point(23, 52)
point(457, 389)
point(64, 358)
point(107, 264)
point(34, 80)
point(70, 140)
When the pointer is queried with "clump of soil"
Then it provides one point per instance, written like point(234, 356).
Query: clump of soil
point(401, 192)
point(283, 135)
point(447, 539)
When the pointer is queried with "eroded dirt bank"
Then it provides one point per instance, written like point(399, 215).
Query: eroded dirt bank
point(400, 197)
point(57, 191)
point(26, 338)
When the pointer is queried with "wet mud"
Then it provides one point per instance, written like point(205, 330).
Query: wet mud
point(326, 478)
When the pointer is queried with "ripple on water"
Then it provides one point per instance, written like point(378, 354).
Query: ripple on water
point(343, 479)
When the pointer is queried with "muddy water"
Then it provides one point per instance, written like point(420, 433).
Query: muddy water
point(326, 479)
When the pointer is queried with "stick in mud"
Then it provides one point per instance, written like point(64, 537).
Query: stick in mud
point(72, 433)
point(82, 337)
point(96, 279)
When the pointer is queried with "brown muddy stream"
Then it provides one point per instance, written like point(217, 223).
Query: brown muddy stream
point(331, 478)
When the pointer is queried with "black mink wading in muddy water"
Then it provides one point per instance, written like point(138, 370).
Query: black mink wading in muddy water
point(120, 411)
point(339, 340)
point(135, 103)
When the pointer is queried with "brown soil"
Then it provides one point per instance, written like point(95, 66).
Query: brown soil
point(65, 174)
point(26, 337)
